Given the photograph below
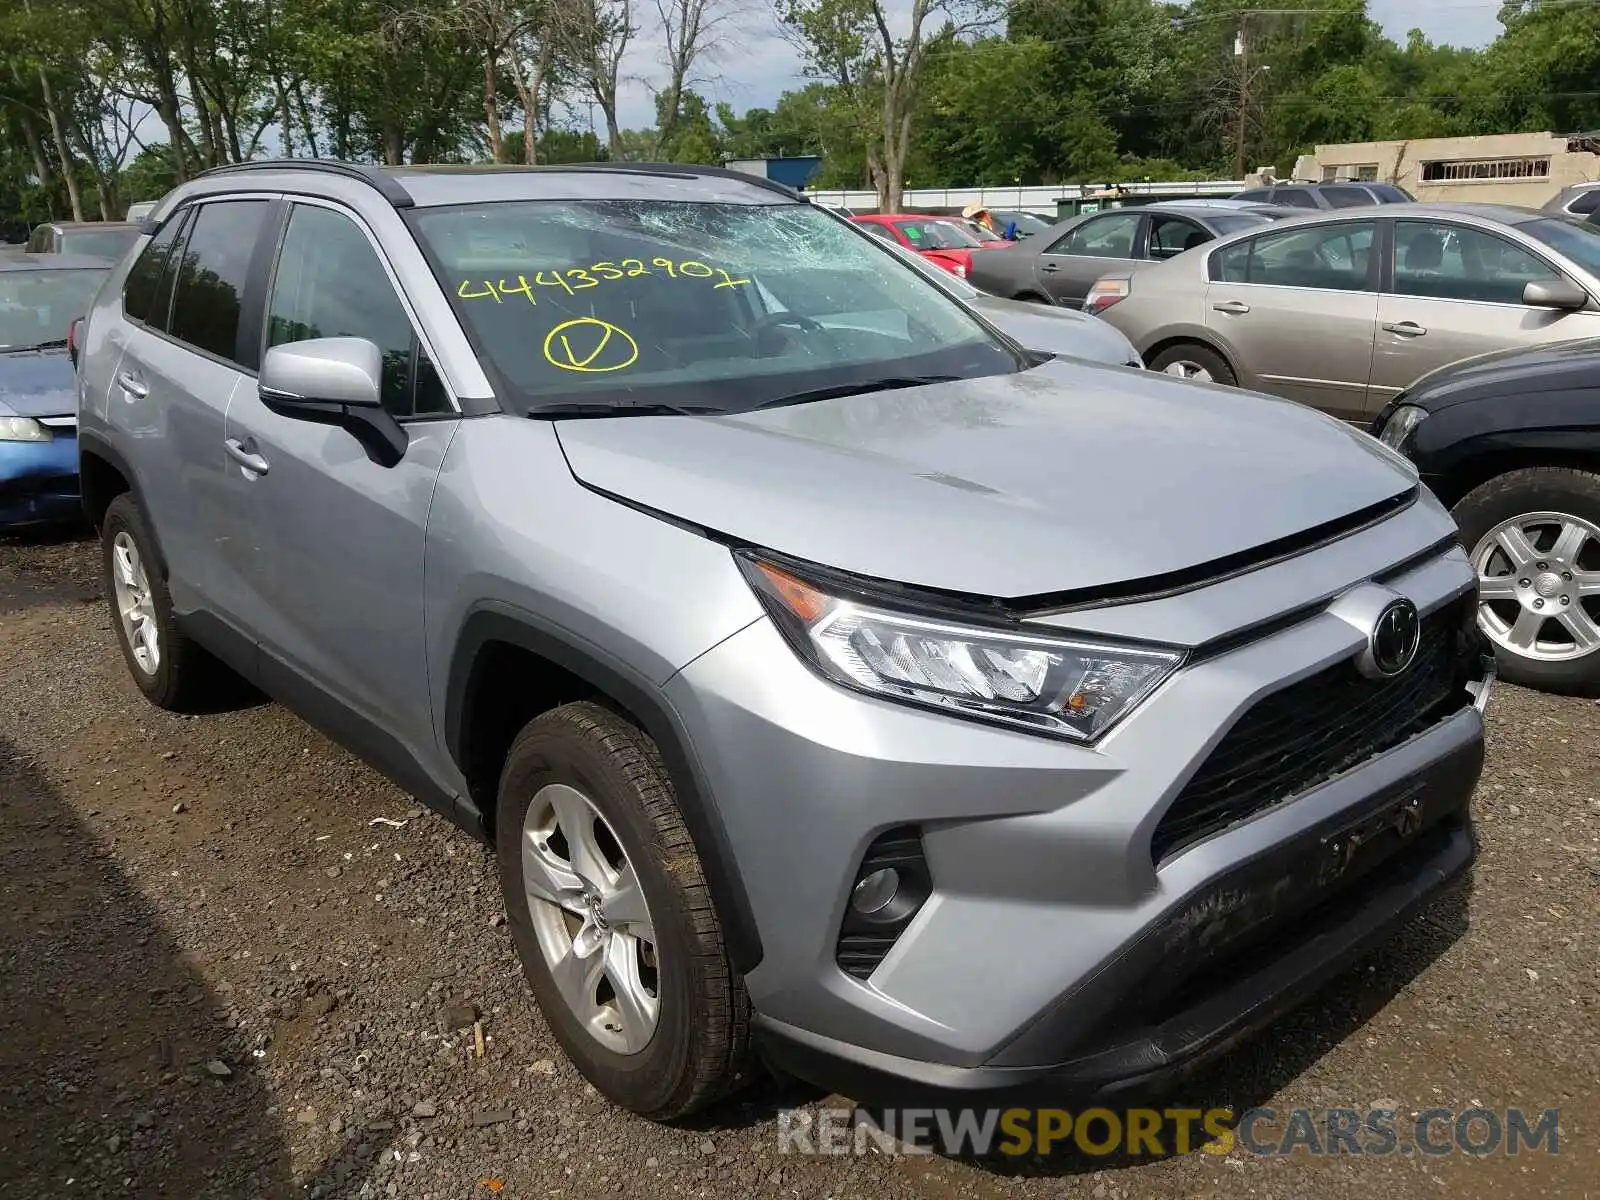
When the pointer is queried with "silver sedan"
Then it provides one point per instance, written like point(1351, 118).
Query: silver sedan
point(1061, 331)
point(1346, 310)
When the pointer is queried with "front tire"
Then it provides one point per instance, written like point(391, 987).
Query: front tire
point(1533, 536)
point(608, 906)
point(172, 671)
point(1190, 360)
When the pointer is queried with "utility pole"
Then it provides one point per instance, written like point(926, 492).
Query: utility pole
point(1241, 53)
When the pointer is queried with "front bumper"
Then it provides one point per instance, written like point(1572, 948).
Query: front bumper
point(39, 482)
point(1053, 945)
point(1165, 1011)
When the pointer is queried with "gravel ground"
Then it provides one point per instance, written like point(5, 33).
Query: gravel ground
point(231, 958)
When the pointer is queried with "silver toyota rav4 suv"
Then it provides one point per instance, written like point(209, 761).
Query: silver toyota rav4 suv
point(841, 685)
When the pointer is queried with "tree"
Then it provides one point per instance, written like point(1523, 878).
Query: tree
point(607, 29)
point(852, 45)
point(690, 30)
point(900, 91)
point(148, 177)
point(694, 137)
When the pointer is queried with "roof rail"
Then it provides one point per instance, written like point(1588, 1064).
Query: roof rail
point(669, 170)
point(687, 171)
point(378, 178)
point(395, 193)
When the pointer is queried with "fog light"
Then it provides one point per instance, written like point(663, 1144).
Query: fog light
point(875, 892)
point(890, 887)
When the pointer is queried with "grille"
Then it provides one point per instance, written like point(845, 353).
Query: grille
point(860, 953)
point(1310, 731)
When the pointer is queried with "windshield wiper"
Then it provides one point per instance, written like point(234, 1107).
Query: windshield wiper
point(53, 344)
point(578, 411)
point(889, 383)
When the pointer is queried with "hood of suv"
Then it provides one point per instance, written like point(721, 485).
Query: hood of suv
point(1510, 373)
point(1067, 476)
point(37, 383)
point(1059, 330)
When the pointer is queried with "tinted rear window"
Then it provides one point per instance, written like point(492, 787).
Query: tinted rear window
point(139, 292)
point(101, 243)
point(211, 276)
point(1584, 202)
point(1387, 193)
point(1298, 197)
point(1226, 223)
point(1347, 197)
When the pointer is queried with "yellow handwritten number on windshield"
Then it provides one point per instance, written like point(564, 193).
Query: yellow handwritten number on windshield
point(590, 345)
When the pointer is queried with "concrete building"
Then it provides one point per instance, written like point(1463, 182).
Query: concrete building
point(1506, 168)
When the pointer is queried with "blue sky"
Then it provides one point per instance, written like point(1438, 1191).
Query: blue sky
point(764, 66)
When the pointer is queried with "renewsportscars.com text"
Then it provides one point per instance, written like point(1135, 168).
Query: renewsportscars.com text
point(1156, 1132)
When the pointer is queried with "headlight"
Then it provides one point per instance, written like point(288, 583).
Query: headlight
point(1400, 425)
point(23, 429)
point(1050, 685)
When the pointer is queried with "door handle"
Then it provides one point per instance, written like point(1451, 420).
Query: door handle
point(1404, 328)
point(246, 456)
point(1232, 306)
point(1049, 268)
point(132, 385)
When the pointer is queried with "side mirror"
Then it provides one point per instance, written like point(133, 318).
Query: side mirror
point(1561, 294)
point(334, 381)
point(342, 370)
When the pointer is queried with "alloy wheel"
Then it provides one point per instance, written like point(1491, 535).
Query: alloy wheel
point(135, 604)
point(1184, 369)
point(591, 919)
point(1539, 586)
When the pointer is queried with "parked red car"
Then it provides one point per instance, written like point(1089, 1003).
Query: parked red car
point(947, 241)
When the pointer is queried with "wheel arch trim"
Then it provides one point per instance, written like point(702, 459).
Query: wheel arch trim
point(93, 445)
point(1455, 464)
point(490, 622)
point(1152, 347)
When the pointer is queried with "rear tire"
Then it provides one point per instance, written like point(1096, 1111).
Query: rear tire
point(1542, 504)
point(1190, 360)
point(648, 1006)
point(171, 669)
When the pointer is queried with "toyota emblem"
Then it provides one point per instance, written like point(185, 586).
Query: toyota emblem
point(1395, 634)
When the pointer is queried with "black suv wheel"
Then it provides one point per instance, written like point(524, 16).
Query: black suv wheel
point(1534, 538)
point(171, 670)
point(608, 905)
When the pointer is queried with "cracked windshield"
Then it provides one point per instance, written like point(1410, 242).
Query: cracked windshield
point(712, 307)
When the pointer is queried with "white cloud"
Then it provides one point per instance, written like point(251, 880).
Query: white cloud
point(1452, 22)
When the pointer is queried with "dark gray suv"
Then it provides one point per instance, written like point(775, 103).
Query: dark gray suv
point(836, 679)
point(1355, 194)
